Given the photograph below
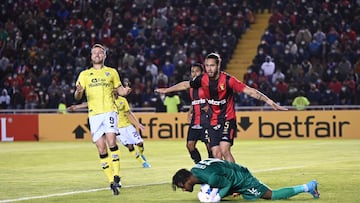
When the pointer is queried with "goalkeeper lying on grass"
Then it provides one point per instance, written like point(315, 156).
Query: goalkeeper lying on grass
point(234, 179)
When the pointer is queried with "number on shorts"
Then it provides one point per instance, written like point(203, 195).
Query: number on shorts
point(112, 120)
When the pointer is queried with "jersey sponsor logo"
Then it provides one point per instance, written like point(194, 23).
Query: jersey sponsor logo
point(198, 101)
point(222, 87)
point(217, 103)
point(99, 82)
point(254, 191)
point(217, 127)
point(196, 127)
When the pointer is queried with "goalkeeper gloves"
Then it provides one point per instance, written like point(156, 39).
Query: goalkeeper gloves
point(204, 197)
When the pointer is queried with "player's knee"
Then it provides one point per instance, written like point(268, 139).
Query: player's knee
point(114, 148)
point(130, 147)
point(190, 146)
point(103, 156)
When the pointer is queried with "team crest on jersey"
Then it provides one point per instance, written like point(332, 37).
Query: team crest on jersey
point(107, 74)
point(222, 86)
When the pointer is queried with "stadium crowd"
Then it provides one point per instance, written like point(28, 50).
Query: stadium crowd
point(313, 48)
point(44, 44)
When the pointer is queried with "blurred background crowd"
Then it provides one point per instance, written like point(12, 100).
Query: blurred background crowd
point(310, 48)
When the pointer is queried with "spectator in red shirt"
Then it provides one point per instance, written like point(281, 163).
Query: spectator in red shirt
point(335, 85)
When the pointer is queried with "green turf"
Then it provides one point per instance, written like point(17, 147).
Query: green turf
point(50, 171)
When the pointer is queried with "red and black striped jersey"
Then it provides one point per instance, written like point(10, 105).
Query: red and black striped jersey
point(220, 95)
point(199, 104)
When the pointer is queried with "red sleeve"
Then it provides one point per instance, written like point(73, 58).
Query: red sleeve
point(236, 84)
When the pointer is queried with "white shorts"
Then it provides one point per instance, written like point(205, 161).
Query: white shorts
point(129, 135)
point(103, 123)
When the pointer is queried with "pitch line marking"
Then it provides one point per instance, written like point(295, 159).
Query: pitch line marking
point(130, 186)
point(74, 192)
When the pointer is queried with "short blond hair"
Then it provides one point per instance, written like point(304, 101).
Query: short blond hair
point(99, 46)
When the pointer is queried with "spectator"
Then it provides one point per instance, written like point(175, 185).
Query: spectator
point(283, 89)
point(172, 103)
point(161, 80)
point(277, 76)
point(328, 97)
point(335, 85)
point(345, 96)
point(4, 99)
point(268, 68)
point(31, 100)
point(301, 102)
point(158, 102)
point(18, 101)
point(168, 68)
point(313, 95)
point(62, 107)
point(153, 69)
point(64, 32)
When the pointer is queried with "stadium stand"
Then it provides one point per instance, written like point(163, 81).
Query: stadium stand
point(44, 44)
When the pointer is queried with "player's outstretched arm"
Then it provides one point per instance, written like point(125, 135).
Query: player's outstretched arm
point(134, 120)
point(77, 106)
point(184, 85)
point(262, 97)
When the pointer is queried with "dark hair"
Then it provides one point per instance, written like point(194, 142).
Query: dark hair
point(214, 56)
point(198, 65)
point(180, 177)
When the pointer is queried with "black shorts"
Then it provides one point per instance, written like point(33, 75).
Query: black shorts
point(224, 132)
point(195, 134)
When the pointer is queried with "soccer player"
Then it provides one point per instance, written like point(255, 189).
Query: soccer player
point(98, 83)
point(219, 90)
point(198, 115)
point(127, 134)
point(234, 179)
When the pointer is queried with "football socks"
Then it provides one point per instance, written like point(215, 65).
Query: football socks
point(285, 193)
point(105, 160)
point(115, 155)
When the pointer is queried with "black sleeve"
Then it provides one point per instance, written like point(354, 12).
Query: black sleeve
point(196, 82)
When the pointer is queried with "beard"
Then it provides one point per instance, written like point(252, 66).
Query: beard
point(213, 75)
point(97, 61)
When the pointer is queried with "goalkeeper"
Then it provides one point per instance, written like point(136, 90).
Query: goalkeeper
point(234, 179)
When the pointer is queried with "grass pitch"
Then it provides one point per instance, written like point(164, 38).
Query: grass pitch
point(70, 171)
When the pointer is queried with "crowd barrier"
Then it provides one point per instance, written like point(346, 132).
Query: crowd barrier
point(312, 124)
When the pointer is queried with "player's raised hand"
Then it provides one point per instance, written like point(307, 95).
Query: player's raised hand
point(79, 88)
point(275, 106)
point(161, 90)
point(79, 91)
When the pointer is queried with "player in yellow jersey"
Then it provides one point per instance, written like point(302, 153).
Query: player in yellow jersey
point(98, 83)
point(128, 135)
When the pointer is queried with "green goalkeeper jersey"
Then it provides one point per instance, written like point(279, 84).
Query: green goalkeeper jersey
point(229, 178)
